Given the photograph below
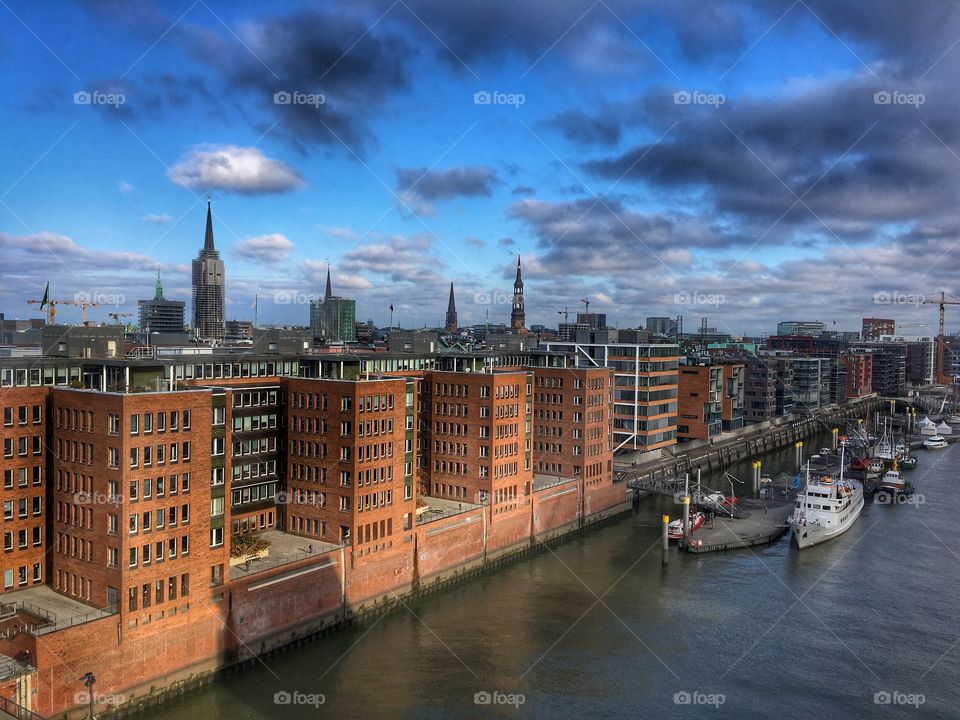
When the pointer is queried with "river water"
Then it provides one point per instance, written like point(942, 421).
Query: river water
point(862, 626)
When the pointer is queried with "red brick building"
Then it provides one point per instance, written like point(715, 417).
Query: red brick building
point(859, 373)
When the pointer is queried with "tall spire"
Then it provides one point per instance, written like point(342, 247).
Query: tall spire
point(329, 291)
point(451, 323)
point(518, 320)
point(208, 246)
point(158, 292)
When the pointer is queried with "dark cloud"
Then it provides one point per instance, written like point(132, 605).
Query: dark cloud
point(418, 188)
point(577, 126)
point(523, 190)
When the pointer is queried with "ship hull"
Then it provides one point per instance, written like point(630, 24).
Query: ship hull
point(809, 535)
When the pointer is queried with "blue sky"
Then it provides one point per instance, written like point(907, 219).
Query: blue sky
point(782, 189)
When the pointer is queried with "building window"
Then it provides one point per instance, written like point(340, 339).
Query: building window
point(216, 536)
point(134, 424)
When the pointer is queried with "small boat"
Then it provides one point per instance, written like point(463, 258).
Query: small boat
point(861, 464)
point(876, 466)
point(675, 528)
point(908, 463)
point(953, 419)
point(892, 480)
point(935, 442)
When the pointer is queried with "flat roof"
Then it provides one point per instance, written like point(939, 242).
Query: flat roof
point(284, 549)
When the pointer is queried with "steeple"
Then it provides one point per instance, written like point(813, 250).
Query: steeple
point(329, 291)
point(518, 319)
point(208, 246)
point(451, 323)
point(158, 292)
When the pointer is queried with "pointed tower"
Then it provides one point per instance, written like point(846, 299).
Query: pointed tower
point(209, 284)
point(518, 319)
point(328, 293)
point(158, 290)
point(451, 323)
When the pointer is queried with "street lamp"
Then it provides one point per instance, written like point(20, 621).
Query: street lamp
point(89, 680)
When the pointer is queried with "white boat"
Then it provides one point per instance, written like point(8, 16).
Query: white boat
point(935, 442)
point(953, 419)
point(827, 507)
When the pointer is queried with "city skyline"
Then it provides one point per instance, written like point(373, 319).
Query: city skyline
point(629, 158)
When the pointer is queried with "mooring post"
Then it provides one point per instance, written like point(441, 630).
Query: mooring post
point(835, 434)
point(799, 447)
point(665, 552)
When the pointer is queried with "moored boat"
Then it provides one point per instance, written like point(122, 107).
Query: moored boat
point(675, 528)
point(935, 442)
point(826, 508)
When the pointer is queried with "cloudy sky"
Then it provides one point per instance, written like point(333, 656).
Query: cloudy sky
point(744, 161)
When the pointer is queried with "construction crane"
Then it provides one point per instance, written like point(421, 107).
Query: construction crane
point(941, 339)
point(51, 305)
point(117, 315)
point(586, 302)
point(566, 314)
point(83, 305)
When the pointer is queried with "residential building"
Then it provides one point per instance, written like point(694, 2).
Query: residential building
point(645, 388)
point(875, 328)
point(800, 327)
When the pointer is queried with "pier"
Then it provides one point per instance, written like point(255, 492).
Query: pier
point(764, 522)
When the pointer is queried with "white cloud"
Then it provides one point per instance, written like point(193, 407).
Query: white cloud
point(242, 170)
point(158, 219)
point(124, 187)
point(270, 249)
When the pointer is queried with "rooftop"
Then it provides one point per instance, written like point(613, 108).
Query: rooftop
point(439, 508)
point(284, 549)
point(55, 611)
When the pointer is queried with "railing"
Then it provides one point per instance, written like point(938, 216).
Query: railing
point(18, 711)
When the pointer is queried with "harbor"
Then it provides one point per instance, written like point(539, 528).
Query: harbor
point(712, 624)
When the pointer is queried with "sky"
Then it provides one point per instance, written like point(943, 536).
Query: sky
point(748, 162)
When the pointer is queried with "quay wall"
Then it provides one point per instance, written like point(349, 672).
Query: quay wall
point(272, 610)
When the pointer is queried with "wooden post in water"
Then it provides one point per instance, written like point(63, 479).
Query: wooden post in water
point(799, 447)
point(665, 552)
point(835, 433)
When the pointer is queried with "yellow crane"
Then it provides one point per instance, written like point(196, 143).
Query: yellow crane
point(51, 306)
point(941, 339)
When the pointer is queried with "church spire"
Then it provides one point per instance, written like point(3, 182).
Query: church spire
point(451, 323)
point(208, 246)
point(518, 320)
point(158, 291)
point(329, 291)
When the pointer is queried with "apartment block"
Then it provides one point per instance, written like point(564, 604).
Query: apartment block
point(645, 389)
point(23, 435)
point(350, 461)
point(572, 423)
point(700, 402)
point(859, 373)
